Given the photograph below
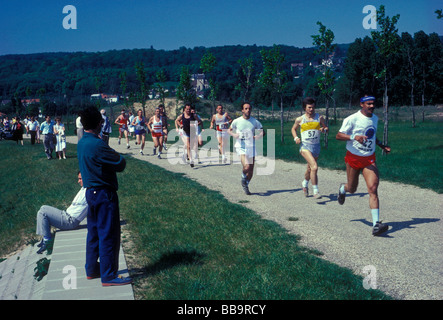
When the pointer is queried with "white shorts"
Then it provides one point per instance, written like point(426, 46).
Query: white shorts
point(222, 134)
point(250, 152)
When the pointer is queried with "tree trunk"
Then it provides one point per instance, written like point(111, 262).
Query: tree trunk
point(412, 106)
point(386, 118)
point(282, 140)
point(327, 122)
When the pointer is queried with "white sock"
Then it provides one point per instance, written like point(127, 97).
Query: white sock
point(315, 188)
point(342, 189)
point(305, 183)
point(375, 216)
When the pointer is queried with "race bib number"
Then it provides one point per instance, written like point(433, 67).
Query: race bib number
point(311, 136)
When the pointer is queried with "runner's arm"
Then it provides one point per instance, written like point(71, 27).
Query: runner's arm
point(382, 146)
point(294, 130)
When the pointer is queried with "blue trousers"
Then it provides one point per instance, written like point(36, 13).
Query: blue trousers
point(103, 240)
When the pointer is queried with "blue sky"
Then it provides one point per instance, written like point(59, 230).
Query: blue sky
point(30, 26)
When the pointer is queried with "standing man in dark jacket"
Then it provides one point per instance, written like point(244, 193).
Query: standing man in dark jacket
point(99, 165)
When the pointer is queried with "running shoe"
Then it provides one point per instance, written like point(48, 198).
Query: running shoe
point(317, 195)
point(245, 187)
point(379, 228)
point(164, 146)
point(341, 196)
point(154, 151)
point(127, 146)
point(141, 152)
point(306, 192)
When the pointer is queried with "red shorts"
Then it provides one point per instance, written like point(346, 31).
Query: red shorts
point(157, 134)
point(358, 162)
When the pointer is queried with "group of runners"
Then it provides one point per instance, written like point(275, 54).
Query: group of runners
point(358, 130)
point(157, 125)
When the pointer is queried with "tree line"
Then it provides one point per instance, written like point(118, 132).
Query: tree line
point(277, 76)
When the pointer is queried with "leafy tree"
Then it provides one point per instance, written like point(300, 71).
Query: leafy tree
point(246, 76)
point(185, 92)
point(387, 45)
point(161, 78)
point(408, 53)
point(207, 64)
point(144, 90)
point(273, 78)
point(326, 81)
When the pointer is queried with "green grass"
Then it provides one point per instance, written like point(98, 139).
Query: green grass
point(191, 243)
point(187, 242)
point(28, 181)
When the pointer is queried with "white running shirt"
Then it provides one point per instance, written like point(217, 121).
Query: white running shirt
point(246, 128)
point(359, 124)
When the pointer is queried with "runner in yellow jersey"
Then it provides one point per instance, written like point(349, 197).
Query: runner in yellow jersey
point(311, 125)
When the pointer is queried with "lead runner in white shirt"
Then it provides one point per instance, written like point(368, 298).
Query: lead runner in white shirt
point(247, 130)
point(359, 130)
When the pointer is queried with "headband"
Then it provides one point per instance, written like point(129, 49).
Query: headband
point(364, 99)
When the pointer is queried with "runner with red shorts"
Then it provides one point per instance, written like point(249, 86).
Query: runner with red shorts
point(359, 130)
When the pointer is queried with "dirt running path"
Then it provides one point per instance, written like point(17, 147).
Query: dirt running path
point(407, 259)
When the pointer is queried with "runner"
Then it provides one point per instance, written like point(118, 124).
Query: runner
point(359, 130)
point(245, 132)
point(222, 121)
point(139, 129)
point(156, 126)
point(198, 141)
point(311, 125)
point(122, 121)
point(184, 121)
point(165, 123)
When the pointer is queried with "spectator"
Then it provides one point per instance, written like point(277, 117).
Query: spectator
point(106, 127)
point(59, 131)
point(49, 216)
point(47, 129)
point(99, 165)
point(32, 128)
point(79, 127)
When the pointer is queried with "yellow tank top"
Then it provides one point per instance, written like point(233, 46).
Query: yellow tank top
point(310, 130)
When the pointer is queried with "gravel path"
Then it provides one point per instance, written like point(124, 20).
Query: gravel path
point(407, 259)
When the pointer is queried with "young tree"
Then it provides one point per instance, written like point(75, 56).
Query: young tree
point(274, 78)
point(161, 78)
point(245, 76)
point(185, 92)
point(141, 77)
point(408, 54)
point(207, 64)
point(327, 80)
point(387, 45)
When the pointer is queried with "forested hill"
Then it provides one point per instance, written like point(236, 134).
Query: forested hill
point(415, 73)
point(77, 73)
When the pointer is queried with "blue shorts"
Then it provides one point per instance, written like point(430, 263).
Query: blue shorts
point(313, 148)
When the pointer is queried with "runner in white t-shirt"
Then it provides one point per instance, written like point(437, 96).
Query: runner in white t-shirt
point(359, 130)
point(247, 130)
